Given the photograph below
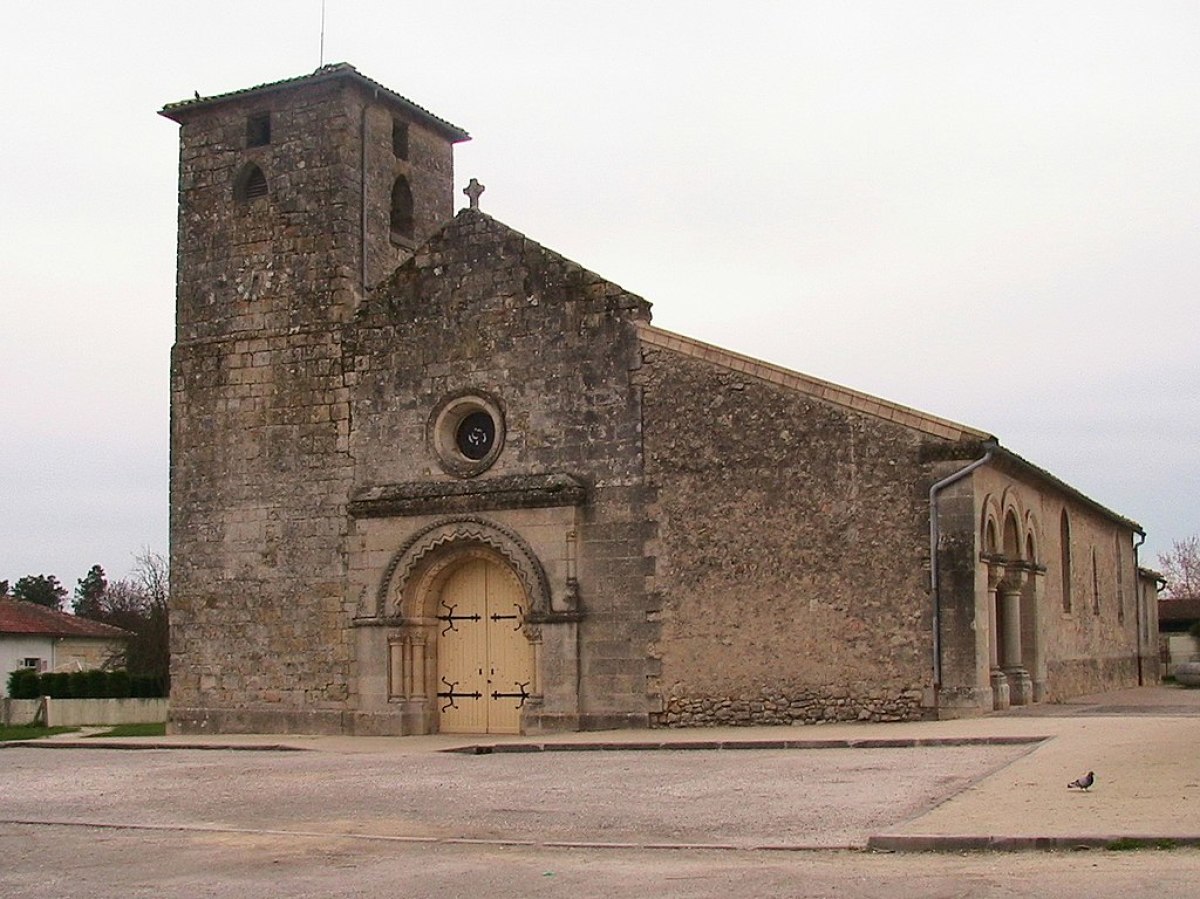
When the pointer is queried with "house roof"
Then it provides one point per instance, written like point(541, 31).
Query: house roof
point(183, 109)
point(20, 617)
point(1180, 610)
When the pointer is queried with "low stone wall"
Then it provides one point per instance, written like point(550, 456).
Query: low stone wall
point(814, 707)
point(16, 712)
point(78, 712)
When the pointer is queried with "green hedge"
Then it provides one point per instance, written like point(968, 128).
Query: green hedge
point(25, 683)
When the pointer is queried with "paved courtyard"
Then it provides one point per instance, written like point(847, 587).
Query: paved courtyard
point(401, 818)
point(829, 797)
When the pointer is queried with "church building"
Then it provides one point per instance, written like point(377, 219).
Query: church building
point(427, 475)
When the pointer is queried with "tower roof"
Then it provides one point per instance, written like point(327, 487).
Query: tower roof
point(182, 110)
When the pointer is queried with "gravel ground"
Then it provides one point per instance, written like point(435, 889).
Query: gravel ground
point(84, 863)
point(745, 798)
point(222, 824)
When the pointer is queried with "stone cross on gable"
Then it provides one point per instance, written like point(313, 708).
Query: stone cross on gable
point(473, 190)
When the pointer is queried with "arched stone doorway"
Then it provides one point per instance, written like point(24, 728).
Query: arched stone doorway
point(463, 601)
point(485, 663)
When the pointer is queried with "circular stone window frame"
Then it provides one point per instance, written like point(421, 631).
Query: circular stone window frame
point(444, 423)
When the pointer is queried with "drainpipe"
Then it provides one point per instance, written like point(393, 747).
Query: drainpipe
point(1139, 606)
point(934, 538)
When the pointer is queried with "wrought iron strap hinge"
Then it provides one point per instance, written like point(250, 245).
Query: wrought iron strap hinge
point(523, 695)
point(453, 694)
point(517, 617)
point(450, 618)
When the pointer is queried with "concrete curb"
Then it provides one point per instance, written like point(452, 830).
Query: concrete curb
point(551, 746)
point(128, 744)
point(661, 745)
point(991, 843)
point(877, 843)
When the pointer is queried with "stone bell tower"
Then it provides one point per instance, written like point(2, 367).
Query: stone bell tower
point(294, 195)
point(294, 199)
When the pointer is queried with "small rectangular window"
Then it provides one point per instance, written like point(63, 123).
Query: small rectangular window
point(399, 139)
point(258, 130)
point(32, 662)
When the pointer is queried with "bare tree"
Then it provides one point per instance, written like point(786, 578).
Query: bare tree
point(138, 604)
point(1181, 567)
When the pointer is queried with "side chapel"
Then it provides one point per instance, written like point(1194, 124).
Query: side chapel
point(428, 475)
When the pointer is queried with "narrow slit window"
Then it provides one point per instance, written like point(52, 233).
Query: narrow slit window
point(1120, 581)
point(258, 130)
point(1064, 537)
point(399, 139)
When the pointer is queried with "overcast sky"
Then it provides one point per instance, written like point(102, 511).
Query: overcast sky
point(988, 211)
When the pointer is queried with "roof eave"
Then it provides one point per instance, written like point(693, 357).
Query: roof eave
point(184, 110)
point(1029, 468)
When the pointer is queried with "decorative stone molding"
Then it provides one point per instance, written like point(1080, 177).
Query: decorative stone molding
point(514, 492)
point(465, 531)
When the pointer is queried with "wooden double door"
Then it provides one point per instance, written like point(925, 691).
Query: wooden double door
point(485, 661)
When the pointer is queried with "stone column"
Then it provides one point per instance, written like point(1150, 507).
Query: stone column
point(416, 706)
point(1000, 692)
point(1038, 654)
point(1020, 685)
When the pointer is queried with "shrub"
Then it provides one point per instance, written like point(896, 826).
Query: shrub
point(24, 683)
point(118, 684)
point(56, 685)
point(95, 683)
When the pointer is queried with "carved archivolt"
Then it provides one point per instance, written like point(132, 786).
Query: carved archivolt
point(432, 548)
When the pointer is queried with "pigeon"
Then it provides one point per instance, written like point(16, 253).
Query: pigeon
point(1084, 782)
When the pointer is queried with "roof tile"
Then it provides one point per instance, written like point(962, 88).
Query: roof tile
point(20, 617)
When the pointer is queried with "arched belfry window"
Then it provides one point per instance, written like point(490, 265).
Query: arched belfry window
point(250, 183)
point(402, 209)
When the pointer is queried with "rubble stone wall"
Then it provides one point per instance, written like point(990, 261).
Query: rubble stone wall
point(792, 552)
